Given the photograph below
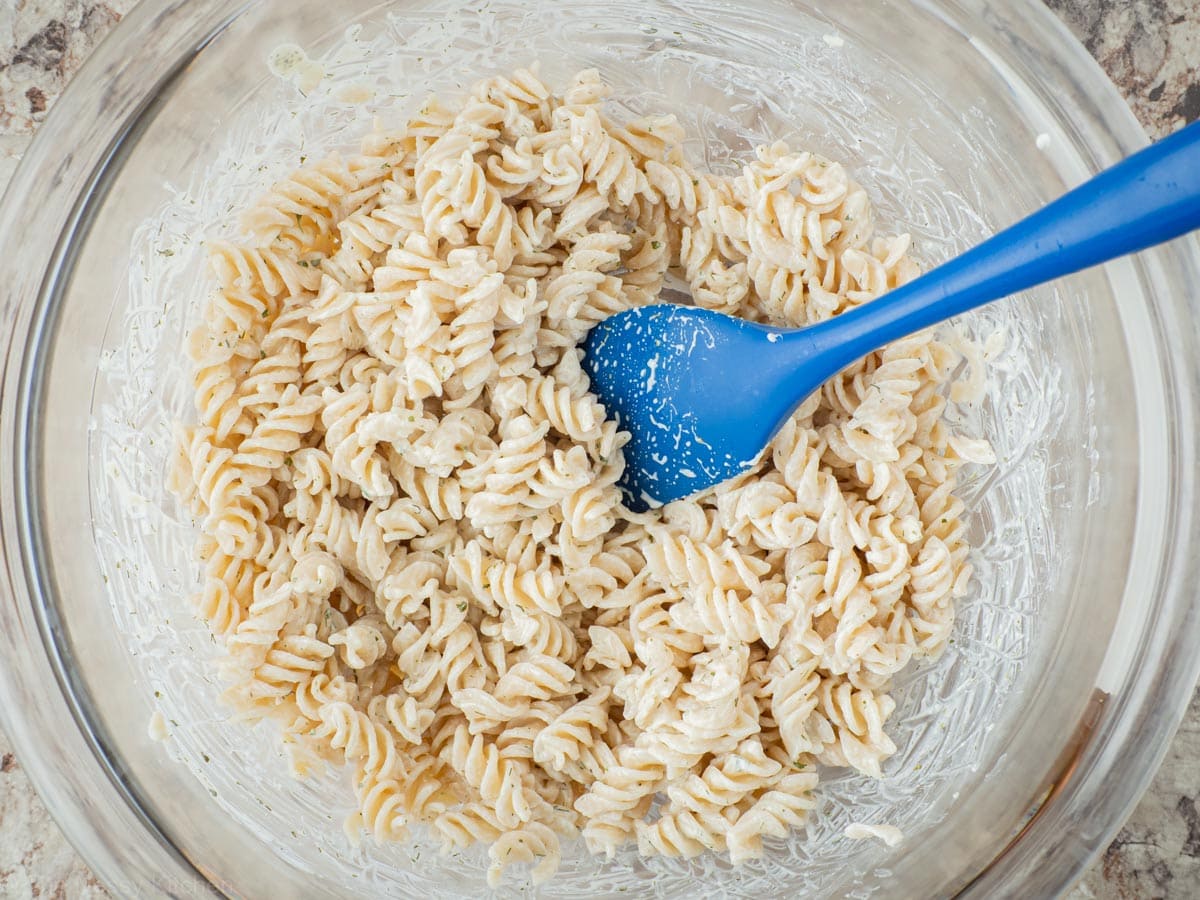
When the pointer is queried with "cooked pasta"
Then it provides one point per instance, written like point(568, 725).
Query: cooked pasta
point(413, 544)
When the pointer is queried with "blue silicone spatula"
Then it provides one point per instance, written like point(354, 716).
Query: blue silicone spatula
point(702, 393)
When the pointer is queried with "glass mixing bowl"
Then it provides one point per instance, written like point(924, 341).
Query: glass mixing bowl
point(1022, 747)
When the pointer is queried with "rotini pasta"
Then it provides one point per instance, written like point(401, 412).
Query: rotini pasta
point(413, 546)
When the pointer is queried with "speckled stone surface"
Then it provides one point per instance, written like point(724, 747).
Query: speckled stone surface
point(1150, 48)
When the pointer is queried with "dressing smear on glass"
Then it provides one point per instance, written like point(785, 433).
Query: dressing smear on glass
point(290, 62)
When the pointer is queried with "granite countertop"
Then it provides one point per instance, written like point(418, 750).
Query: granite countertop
point(1150, 48)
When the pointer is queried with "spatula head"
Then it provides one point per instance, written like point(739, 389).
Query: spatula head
point(698, 391)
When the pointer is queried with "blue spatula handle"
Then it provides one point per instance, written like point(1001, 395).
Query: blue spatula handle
point(1151, 197)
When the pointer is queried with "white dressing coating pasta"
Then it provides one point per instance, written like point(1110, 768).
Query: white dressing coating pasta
point(412, 540)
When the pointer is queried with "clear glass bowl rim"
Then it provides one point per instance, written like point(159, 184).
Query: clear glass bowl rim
point(41, 709)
